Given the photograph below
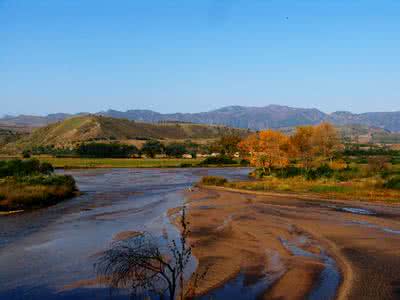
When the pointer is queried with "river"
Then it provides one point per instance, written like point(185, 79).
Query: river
point(44, 251)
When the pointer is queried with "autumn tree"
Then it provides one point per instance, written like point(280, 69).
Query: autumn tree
point(267, 149)
point(325, 141)
point(301, 145)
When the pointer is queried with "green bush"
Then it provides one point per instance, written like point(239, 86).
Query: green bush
point(46, 168)
point(18, 168)
point(185, 165)
point(53, 180)
point(175, 150)
point(26, 154)
point(151, 148)
point(347, 174)
point(324, 171)
point(393, 183)
point(310, 174)
point(213, 180)
point(244, 162)
point(218, 160)
point(288, 172)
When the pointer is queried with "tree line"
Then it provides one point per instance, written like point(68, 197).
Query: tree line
point(308, 145)
point(150, 148)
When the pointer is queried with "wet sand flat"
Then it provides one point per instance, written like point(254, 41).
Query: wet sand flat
point(315, 249)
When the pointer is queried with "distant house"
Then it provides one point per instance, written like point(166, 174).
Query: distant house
point(364, 138)
point(187, 155)
point(214, 154)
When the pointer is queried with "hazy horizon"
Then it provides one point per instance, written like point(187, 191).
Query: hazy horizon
point(95, 112)
point(180, 56)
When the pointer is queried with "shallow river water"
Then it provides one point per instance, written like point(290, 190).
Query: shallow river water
point(43, 251)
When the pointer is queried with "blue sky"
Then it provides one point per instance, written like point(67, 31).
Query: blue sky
point(190, 56)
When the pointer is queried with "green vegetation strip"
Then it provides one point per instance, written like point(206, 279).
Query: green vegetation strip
point(119, 162)
point(29, 184)
point(367, 189)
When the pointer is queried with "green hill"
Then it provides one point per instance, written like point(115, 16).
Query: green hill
point(93, 127)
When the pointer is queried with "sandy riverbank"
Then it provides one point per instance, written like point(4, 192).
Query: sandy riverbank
point(234, 232)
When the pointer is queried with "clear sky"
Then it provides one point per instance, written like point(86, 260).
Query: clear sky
point(198, 55)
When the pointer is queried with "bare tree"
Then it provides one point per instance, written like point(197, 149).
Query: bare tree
point(140, 265)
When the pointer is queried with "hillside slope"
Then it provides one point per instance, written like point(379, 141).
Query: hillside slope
point(92, 127)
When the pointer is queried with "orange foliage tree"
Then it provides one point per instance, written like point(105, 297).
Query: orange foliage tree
point(271, 149)
point(326, 141)
point(301, 145)
point(267, 149)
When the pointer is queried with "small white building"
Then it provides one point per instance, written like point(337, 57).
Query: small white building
point(187, 155)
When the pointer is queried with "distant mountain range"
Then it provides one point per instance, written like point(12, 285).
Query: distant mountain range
point(255, 118)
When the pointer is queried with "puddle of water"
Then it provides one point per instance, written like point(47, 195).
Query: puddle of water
point(329, 279)
point(358, 211)
point(375, 226)
point(353, 210)
point(238, 289)
point(328, 282)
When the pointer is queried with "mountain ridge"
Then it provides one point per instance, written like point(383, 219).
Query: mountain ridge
point(249, 117)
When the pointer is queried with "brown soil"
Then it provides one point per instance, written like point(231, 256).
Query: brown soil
point(126, 235)
point(236, 232)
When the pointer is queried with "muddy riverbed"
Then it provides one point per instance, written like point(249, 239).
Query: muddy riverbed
point(275, 246)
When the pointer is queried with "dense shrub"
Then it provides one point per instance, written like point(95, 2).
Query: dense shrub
point(152, 148)
point(175, 150)
point(17, 167)
point(288, 172)
point(53, 180)
point(213, 180)
point(324, 171)
point(244, 162)
point(46, 168)
point(393, 183)
point(218, 160)
point(310, 174)
point(185, 165)
point(103, 150)
point(26, 154)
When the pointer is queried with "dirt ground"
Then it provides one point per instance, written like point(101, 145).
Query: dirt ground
point(253, 234)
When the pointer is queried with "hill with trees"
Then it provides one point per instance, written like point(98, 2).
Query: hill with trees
point(91, 128)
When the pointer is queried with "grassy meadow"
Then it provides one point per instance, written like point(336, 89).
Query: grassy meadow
point(363, 189)
point(118, 162)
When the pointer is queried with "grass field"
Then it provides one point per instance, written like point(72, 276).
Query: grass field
point(30, 192)
point(367, 189)
point(117, 162)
